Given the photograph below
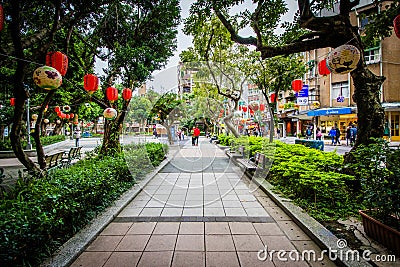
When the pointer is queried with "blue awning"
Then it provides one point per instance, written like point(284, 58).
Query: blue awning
point(328, 111)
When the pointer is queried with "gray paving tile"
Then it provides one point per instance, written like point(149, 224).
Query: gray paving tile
point(151, 212)
point(172, 212)
point(198, 211)
point(235, 211)
point(213, 211)
point(191, 228)
point(231, 203)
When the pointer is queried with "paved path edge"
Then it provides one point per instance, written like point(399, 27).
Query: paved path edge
point(71, 249)
point(316, 231)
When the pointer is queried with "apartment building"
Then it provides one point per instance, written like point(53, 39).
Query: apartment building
point(330, 100)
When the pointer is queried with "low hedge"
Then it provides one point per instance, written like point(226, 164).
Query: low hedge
point(40, 216)
point(311, 178)
point(5, 144)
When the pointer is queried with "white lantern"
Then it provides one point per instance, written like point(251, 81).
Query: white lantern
point(47, 78)
point(343, 59)
point(110, 114)
point(46, 121)
point(34, 116)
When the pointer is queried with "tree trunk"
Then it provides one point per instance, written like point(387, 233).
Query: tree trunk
point(271, 123)
point(169, 134)
point(112, 132)
point(57, 129)
point(370, 112)
point(228, 122)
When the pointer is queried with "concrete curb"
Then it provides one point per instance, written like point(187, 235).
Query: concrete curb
point(71, 249)
point(316, 231)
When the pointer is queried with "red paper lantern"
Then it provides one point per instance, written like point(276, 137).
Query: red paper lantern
point(112, 94)
point(297, 85)
point(262, 107)
point(323, 68)
point(71, 115)
point(57, 109)
point(244, 108)
point(57, 60)
point(127, 94)
point(396, 25)
point(272, 98)
point(90, 83)
point(1, 17)
point(12, 101)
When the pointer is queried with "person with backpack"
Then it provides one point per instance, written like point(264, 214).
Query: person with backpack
point(308, 132)
point(353, 134)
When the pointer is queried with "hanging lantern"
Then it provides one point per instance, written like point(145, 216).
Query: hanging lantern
point(110, 113)
point(12, 101)
point(323, 68)
point(297, 85)
point(127, 94)
point(112, 94)
point(281, 106)
point(244, 108)
point(47, 78)
point(46, 121)
point(57, 60)
point(34, 116)
point(57, 109)
point(251, 112)
point(1, 17)
point(71, 115)
point(46, 108)
point(76, 118)
point(66, 108)
point(396, 25)
point(272, 98)
point(254, 105)
point(262, 107)
point(343, 59)
point(58, 121)
point(90, 83)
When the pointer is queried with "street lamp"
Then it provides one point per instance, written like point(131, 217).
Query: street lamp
point(28, 126)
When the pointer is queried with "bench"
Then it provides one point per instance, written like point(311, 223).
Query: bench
point(235, 152)
point(54, 161)
point(254, 163)
point(73, 154)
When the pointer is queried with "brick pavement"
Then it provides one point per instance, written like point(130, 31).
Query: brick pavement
point(199, 210)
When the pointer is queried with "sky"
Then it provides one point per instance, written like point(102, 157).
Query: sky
point(167, 79)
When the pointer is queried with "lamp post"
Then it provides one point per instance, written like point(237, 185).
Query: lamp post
point(28, 127)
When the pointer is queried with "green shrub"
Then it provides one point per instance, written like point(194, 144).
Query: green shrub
point(44, 213)
point(225, 140)
point(5, 144)
point(312, 179)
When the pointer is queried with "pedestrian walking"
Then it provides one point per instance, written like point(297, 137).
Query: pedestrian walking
point(77, 136)
point(318, 133)
point(337, 135)
point(308, 133)
point(332, 134)
point(348, 135)
point(196, 133)
point(353, 135)
point(155, 134)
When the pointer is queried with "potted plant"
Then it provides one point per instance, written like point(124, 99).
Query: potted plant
point(378, 169)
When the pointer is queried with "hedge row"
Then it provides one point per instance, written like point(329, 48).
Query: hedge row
point(40, 216)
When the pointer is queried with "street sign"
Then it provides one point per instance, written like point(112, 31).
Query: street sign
point(303, 92)
point(340, 99)
point(302, 101)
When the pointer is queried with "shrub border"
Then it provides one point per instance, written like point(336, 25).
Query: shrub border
point(316, 231)
point(71, 249)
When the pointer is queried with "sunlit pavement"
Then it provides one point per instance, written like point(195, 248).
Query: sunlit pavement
point(197, 211)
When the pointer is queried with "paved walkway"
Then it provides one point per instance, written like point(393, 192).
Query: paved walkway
point(198, 211)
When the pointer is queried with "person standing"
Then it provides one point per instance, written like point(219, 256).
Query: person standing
point(77, 136)
point(318, 133)
point(308, 133)
point(348, 135)
point(332, 134)
point(196, 133)
point(337, 135)
point(353, 135)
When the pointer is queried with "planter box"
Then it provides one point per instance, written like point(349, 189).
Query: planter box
point(382, 233)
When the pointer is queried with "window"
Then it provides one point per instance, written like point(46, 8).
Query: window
point(372, 55)
point(340, 89)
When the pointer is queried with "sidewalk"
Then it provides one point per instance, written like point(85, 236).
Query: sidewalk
point(199, 210)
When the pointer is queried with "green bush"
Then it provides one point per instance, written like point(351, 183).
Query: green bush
point(45, 140)
point(40, 216)
point(313, 180)
point(225, 140)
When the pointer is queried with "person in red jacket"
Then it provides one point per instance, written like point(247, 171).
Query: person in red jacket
point(196, 134)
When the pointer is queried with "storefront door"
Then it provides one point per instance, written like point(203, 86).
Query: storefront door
point(394, 124)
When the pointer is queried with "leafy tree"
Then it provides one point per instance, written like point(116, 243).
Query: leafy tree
point(139, 110)
point(309, 32)
point(167, 108)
